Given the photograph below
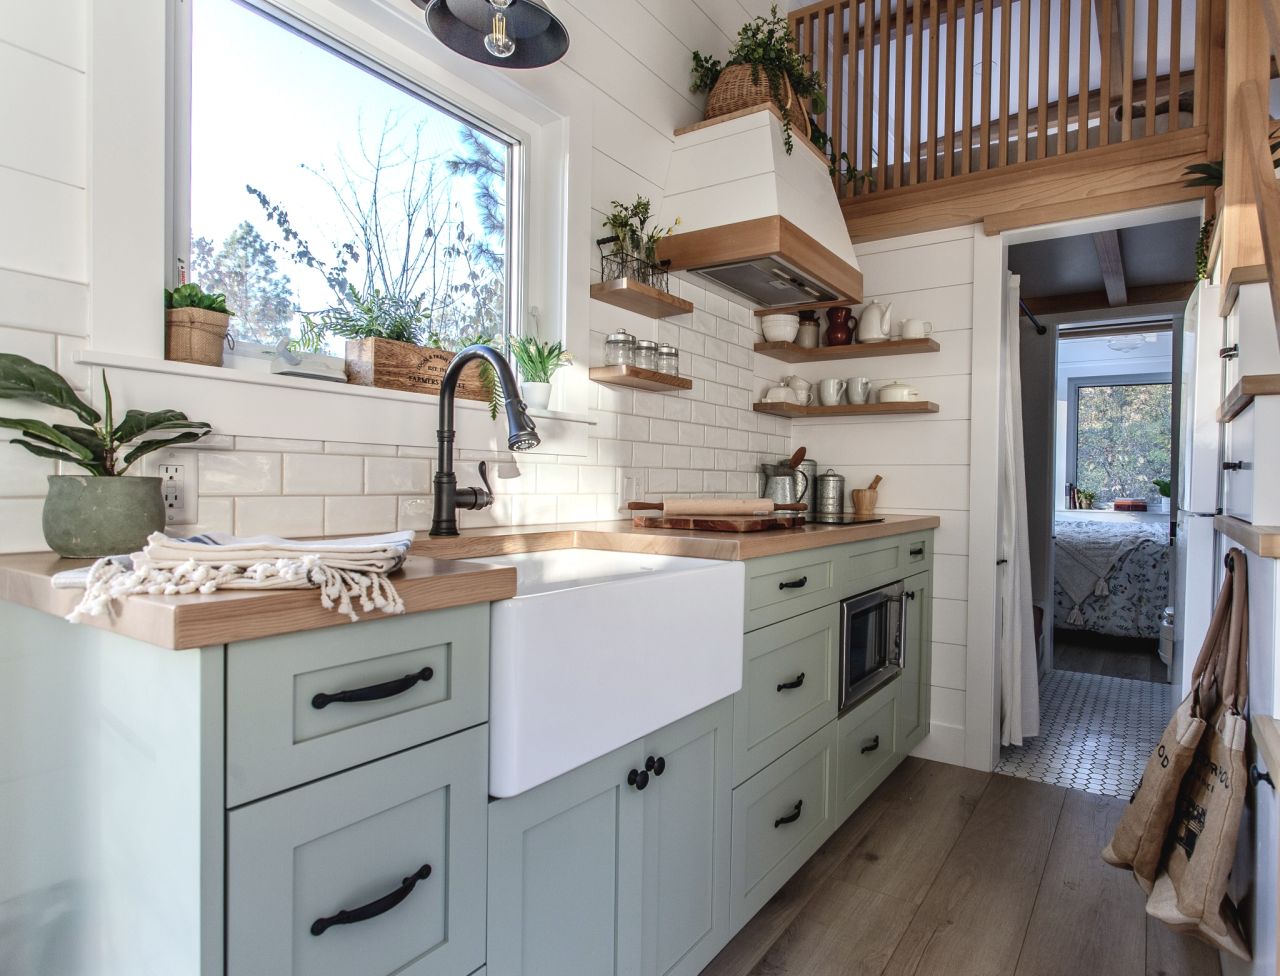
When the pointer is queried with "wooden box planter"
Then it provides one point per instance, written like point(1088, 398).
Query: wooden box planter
point(392, 365)
point(195, 335)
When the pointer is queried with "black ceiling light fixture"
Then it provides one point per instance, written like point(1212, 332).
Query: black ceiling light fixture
point(502, 33)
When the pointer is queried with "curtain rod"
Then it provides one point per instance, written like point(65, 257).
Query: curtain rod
point(1108, 331)
point(1040, 329)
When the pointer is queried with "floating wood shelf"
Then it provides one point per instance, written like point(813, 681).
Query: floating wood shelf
point(636, 296)
point(1242, 394)
point(639, 378)
point(789, 352)
point(795, 410)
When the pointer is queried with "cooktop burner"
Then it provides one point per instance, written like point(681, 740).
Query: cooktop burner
point(844, 519)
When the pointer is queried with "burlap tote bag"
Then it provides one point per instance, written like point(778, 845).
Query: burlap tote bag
point(1139, 840)
point(1190, 893)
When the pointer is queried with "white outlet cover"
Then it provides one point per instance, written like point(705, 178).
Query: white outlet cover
point(190, 460)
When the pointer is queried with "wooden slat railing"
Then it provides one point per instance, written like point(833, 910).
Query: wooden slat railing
point(904, 107)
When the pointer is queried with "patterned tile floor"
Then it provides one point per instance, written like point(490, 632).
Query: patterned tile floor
point(1095, 733)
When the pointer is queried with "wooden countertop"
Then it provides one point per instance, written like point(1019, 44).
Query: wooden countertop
point(234, 615)
point(622, 536)
point(1261, 540)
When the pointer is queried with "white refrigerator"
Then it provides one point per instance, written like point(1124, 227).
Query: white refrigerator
point(1199, 467)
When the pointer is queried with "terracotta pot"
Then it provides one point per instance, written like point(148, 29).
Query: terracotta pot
point(838, 331)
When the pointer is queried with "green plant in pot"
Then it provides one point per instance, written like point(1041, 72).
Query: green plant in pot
point(195, 325)
point(98, 513)
point(537, 362)
point(1164, 486)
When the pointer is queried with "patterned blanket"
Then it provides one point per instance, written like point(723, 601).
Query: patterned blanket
point(1111, 577)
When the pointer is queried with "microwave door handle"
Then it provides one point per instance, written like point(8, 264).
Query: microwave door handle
point(900, 644)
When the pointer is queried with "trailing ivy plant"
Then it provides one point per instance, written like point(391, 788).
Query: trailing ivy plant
point(1203, 243)
point(193, 296)
point(99, 446)
point(767, 44)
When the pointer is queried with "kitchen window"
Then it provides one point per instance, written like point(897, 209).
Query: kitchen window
point(1120, 434)
point(326, 191)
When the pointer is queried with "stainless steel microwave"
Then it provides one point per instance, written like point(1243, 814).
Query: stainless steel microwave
point(872, 641)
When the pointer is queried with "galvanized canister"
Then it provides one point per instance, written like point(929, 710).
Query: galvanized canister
point(830, 493)
point(805, 486)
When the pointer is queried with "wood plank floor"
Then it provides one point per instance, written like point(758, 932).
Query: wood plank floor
point(946, 871)
point(1115, 657)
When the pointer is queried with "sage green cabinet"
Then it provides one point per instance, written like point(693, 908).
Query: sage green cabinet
point(614, 869)
point(914, 683)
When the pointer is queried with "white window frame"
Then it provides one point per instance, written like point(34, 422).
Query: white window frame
point(251, 354)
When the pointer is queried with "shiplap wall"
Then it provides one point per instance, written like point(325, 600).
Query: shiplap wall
point(924, 459)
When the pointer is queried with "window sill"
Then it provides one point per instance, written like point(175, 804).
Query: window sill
point(250, 402)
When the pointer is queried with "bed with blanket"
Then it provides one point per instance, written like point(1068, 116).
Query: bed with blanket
point(1110, 577)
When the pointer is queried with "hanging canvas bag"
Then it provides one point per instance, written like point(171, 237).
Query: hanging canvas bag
point(1190, 893)
point(1138, 843)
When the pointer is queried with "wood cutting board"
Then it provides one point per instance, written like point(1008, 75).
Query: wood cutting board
point(718, 523)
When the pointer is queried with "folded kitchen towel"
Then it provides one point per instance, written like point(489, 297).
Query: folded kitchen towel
point(341, 569)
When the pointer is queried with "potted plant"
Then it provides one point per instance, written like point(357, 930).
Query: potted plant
point(764, 66)
point(537, 362)
point(101, 513)
point(1164, 486)
point(389, 344)
point(635, 244)
point(195, 325)
point(1085, 497)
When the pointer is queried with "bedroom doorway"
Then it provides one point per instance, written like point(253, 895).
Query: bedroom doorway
point(1099, 421)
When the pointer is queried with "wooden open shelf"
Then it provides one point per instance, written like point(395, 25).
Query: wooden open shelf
point(639, 378)
point(795, 410)
point(789, 352)
point(1242, 394)
point(636, 296)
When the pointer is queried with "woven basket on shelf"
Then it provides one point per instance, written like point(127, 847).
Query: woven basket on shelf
point(736, 90)
point(195, 335)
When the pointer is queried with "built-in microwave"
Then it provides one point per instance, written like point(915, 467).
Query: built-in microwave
point(872, 641)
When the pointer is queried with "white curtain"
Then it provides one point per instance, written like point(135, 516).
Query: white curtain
point(1019, 690)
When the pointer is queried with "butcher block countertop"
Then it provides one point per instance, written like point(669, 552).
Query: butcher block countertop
point(622, 536)
point(181, 622)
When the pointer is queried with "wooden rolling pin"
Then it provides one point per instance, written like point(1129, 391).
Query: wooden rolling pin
point(718, 506)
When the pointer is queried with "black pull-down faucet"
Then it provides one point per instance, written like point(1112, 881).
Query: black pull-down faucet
point(522, 436)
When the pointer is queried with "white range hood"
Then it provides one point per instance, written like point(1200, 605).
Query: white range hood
point(757, 226)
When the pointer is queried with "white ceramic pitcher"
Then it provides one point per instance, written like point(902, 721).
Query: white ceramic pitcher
point(876, 322)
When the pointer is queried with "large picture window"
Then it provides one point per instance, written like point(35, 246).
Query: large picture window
point(329, 199)
point(1120, 435)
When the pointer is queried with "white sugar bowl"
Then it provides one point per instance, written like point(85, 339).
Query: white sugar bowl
point(897, 392)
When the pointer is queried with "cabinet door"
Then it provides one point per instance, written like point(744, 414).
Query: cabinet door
point(687, 812)
point(565, 873)
point(914, 684)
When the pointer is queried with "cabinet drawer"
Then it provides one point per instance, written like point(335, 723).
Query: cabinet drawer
point(780, 817)
point(870, 564)
point(351, 842)
point(865, 749)
point(779, 587)
point(280, 734)
point(788, 688)
point(1237, 484)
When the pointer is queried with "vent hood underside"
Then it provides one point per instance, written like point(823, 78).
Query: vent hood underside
point(767, 282)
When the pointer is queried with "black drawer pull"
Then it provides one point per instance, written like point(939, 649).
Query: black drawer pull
point(1229, 352)
point(917, 550)
point(791, 817)
point(875, 744)
point(388, 689)
point(1257, 776)
point(638, 778)
point(1232, 465)
point(794, 584)
point(374, 908)
point(795, 682)
point(656, 766)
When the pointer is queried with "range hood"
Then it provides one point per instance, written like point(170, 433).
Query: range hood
point(757, 226)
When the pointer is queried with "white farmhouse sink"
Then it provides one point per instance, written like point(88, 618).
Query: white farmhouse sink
point(600, 648)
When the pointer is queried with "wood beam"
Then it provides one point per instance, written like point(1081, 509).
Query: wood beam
point(1100, 301)
point(1253, 110)
point(1107, 245)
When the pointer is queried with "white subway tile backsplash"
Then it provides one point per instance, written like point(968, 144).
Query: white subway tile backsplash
point(632, 428)
point(717, 304)
point(664, 431)
point(397, 476)
point(291, 516)
point(647, 455)
point(323, 474)
point(677, 408)
point(595, 480)
point(239, 473)
point(21, 518)
point(691, 434)
point(414, 513)
point(557, 479)
point(650, 404)
point(359, 514)
point(662, 480)
point(365, 450)
point(278, 444)
point(675, 457)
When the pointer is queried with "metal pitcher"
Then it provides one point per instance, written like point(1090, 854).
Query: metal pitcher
point(804, 478)
point(782, 484)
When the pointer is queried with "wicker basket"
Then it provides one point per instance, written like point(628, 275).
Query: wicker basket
point(195, 335)
point(736, 90)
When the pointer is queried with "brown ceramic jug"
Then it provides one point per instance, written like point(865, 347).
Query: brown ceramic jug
point(838, 331)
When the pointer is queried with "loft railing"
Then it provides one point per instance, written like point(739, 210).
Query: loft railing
point(1049, 78)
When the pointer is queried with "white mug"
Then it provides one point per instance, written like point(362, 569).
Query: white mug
point(916, 329)
point(858, 388)
point(831, 392)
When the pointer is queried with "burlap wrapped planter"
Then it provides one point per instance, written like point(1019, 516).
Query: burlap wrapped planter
point(736, 89)
point(195, 335)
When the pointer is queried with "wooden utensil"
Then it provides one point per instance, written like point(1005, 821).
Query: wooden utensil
point(875, 483)
point(796, 458)
point(721, 506)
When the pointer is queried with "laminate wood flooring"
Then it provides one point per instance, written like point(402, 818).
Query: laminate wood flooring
point(946, 871)
point(1114, 657)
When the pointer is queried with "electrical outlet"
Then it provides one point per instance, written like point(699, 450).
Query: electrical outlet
point(627, 490)
point(179, 473)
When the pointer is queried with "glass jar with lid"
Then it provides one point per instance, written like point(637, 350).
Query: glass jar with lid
point(646, 354)
point(620, 349)
point(668, 360)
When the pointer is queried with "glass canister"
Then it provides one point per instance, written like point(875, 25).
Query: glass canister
point(646, 354)
point(830, 493)
point(620, 349)
point(668, 360)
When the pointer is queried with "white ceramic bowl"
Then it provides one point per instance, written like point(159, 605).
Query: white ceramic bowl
point(781, 327)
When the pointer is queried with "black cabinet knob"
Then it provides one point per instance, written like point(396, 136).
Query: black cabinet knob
point(656, 766)
point(871, 746)
point(795, 682)
point(1257, 776)
point(638, 778)
point(794, 584)
point(791, 817)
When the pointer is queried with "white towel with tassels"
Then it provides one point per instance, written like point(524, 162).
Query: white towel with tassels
point(343, 570)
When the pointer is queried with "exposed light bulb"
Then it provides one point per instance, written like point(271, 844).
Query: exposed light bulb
point(497, 43)
point(500, 4)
